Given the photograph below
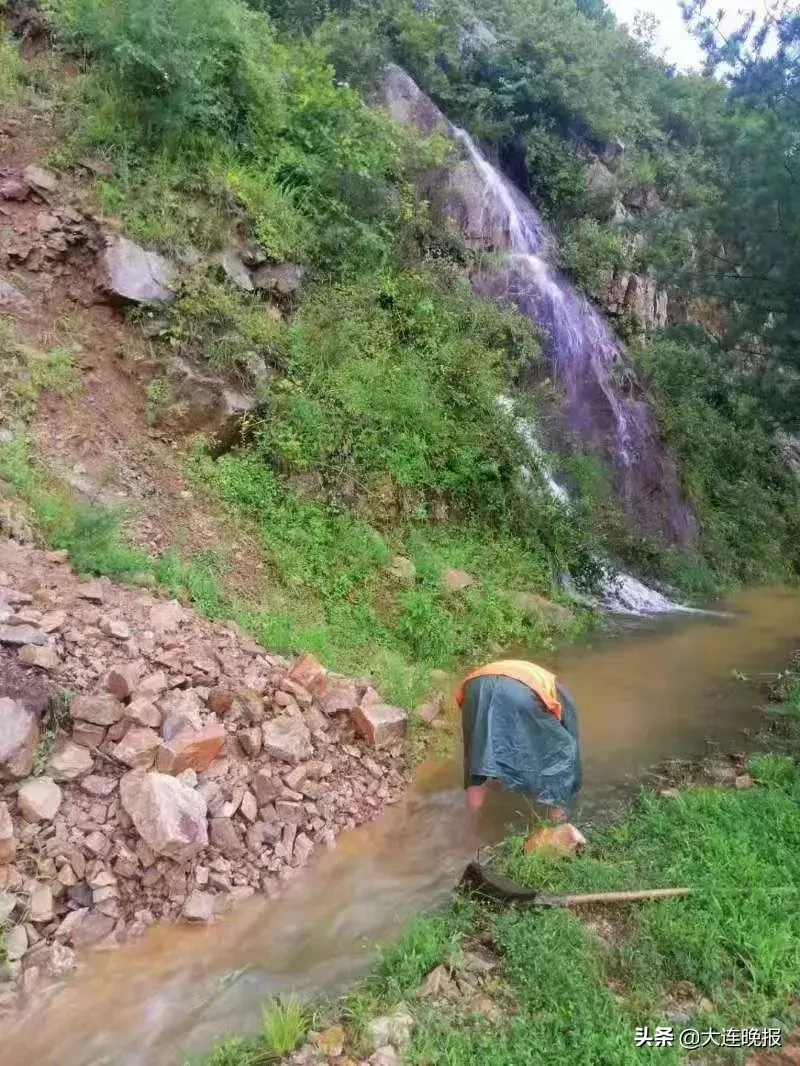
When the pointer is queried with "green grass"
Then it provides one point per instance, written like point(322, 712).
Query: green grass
point(333, 592)
point(10, 68)
point(285, 1026)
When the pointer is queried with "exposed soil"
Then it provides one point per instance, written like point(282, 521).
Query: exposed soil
point(99, 443)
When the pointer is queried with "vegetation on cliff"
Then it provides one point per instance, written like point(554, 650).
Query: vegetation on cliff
point(379, 434)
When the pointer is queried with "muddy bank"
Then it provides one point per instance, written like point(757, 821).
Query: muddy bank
point(155, 767)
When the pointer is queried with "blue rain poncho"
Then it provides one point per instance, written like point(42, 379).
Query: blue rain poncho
point(510, 736)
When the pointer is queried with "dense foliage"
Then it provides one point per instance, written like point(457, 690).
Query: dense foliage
point(380, 431)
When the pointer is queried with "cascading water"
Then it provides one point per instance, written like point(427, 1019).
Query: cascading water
point(595, 414)
point(621, 593)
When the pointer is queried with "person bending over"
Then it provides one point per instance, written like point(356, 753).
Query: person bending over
point(521, 729)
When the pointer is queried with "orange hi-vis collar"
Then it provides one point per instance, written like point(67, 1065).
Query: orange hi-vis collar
point(538, 680)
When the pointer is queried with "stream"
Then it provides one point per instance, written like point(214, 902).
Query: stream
point(653, 690)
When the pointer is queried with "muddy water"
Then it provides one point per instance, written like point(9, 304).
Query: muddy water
point(653, 691)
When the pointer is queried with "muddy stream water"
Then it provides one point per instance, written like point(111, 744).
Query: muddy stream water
point(651, 691)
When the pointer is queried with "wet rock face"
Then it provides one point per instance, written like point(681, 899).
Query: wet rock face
point(596, 413)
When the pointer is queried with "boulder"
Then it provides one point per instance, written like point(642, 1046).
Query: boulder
point(309, 673)
point(234, 268)
point(403, 570)
point(69, 761)
point(8, 842)
point(40, 907)
point(204, 403)
point(39, 799)
point(393, 1030)
point(193, 749)
point(121, 681)
point(142, 711)
point(379, 724)
point(199, 906)
point(281, 279)
point(339, 699)
point(40, 179)
point(22, 634)
point(558, 840)
point(331, 1041)
point(135, 275)
point(103, 709)
point(223, 835)
point(138, 748)
point(287, 738)
point(533, 606)
point(43, 658)
point(19, 737)
point(168, 816)
point(166, 618)
point(457, 580)
point(12, 298)
point(384, 1056)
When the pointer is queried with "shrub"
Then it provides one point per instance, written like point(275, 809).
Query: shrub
point(747, 501)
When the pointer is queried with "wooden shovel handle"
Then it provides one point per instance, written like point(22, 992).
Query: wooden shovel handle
point(616, 897)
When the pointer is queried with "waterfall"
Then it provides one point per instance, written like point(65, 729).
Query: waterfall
point(620, 593)
point(600, 409)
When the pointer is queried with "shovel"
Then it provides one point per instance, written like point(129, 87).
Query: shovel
point(478, 880)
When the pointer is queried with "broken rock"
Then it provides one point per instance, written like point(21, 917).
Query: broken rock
point(379, 724)
point(338, 699)
point(121, 681)
point(69, 761)
point(138, 748)
point(558, 840)
point(194, 749)
point(135, 275)
point(40, 907)
point(40, 179)
point(224, 836)
point(22, 634)
point(104, 709)
point(169, 816)
point(19, 736)
point(309, 673)
point(287, 738)
point(199, 907)
point(39, 799)
point(40, 657)
point(166, 617)
point(392, 1029)
point(8, 843)
point(142, 711)
point(98, 785)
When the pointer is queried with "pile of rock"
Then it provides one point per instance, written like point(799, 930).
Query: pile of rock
point(187, 771)
point(43, 235)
